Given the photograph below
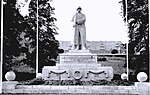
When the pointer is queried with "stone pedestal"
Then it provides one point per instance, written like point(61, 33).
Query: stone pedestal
point(9, 84)
point(143, 88)
point(78, 57)
point(77, 64)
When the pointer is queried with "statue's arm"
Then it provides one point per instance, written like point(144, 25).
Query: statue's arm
point(73, 18)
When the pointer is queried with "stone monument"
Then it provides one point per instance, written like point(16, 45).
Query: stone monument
point(78, 63)
point(80, 31)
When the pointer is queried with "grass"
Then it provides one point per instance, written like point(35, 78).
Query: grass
point(117, 64)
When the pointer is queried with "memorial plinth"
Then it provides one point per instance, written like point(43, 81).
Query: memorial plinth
point(77, 64)
point(78, 57)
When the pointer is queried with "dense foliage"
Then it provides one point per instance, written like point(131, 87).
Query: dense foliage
point(138, 30)
point(14, 26)
point(20, 35)
point(39, 81)
point(114, 51)
point(48, 45)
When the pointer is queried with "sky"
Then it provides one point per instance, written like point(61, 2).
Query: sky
point(103, 19)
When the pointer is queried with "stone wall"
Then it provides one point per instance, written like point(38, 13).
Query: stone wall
point(140, 88)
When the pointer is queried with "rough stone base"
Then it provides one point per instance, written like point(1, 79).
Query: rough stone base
point(9, 84)
point(140, 88)
point(77, 64)
point(85, 73)
point(143, 88)
point(78, 56)
point(74, 90)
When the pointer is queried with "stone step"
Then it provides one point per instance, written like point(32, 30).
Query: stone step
point(79, 51)
point(120, 90)
point(77, 56)
point(80, 66)
point(54, 92)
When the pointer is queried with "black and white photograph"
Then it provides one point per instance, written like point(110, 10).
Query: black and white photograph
point(74, 47)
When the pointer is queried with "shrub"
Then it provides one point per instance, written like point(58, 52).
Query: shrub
point(114, 51)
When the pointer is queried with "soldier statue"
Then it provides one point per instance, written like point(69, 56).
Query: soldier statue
point(80, 30)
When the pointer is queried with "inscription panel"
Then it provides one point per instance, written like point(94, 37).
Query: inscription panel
point(78, 59)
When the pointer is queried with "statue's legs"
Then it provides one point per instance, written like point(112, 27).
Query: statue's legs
point(83, 37)
point(76, 39)
point(79, 38)
point(79, 41)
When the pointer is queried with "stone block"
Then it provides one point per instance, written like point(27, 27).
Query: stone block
point(96, 90)
point(78, 64)
point(79, 91)
point(78, 58)
point(65, 76)
point(29, 91)
point(75, 87)
point(134, 92)
point(86, 73)
point(55, 91)
point(120, 91)
point(9, 84)
point(41, 87)
point(24, 87)
point(53, 76)
point(59, 88)
point(106, 87)
point(143, 88)
point(79, 51)
point(12, 91)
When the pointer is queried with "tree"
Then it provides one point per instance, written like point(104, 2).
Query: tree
point(20, 35)
point(14, 26)
point(48, 45)
point(12, 30)
point(138, 30)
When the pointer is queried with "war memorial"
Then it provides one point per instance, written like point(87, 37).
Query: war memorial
point(78, 64)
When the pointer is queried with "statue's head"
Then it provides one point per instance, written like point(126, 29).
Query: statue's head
point(79, 9)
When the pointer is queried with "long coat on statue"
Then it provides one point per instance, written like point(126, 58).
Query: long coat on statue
point(80, 30)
